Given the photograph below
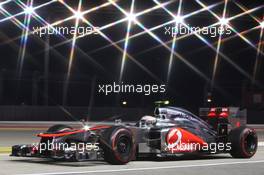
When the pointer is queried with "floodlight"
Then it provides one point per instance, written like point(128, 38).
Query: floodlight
point(178, 19)
point(78, 15)
point(124, 103)
point(131, 17)
point(223, 21)
point(262, 24)
point(29, 10)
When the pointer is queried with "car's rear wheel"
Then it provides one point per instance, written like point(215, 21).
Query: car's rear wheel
point(244, 142)
point(118, 145)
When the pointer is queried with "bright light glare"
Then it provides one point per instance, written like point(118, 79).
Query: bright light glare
point(178, 19)
point(223, 21)
point(78, 15)
point(167, 102)
point(131, 17)
point(29, 10)
point(262, 24)
point(86, 127)
point(124, 103)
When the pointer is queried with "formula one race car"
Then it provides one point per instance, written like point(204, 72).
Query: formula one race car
point(170, 132)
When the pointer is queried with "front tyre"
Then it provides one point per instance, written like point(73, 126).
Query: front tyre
point(59, 128)
point(47, 141)
point(118, 145)
point(244, 142)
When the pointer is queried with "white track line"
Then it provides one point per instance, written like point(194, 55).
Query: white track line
point(260, 143)
point(4, 154)
point(149, 168)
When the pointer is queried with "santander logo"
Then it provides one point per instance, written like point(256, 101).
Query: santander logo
point(174, 137)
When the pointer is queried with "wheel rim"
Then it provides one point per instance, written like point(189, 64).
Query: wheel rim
point(250, 143)
point(124, 145)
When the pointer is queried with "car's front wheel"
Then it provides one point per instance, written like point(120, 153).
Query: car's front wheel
point(118, 145)
point(59, 128)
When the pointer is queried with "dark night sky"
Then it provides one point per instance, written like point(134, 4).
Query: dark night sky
point(185, 88)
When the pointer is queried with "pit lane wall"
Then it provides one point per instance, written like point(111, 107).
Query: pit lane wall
point(58, 113)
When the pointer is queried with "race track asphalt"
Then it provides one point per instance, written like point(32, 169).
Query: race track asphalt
point(221, 164)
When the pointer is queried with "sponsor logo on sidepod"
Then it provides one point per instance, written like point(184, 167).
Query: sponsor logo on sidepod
point(173, 138)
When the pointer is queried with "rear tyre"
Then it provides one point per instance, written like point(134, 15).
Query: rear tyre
point(118, 145)
point(244, 142)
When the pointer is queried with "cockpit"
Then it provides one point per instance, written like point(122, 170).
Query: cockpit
point(160, 114)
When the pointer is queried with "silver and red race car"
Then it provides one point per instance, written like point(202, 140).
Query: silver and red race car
point(169, 132)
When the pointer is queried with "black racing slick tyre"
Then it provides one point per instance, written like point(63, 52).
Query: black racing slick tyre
point(118, 145)
point(59, 128)
point(46, 141)
point(244, 142)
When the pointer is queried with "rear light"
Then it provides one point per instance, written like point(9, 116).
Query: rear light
point(218, 112)
point(224, 109)
point(211, 114)
point(223, 115)
point(213, 110)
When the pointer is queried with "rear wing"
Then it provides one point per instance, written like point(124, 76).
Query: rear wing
point(234, 115)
